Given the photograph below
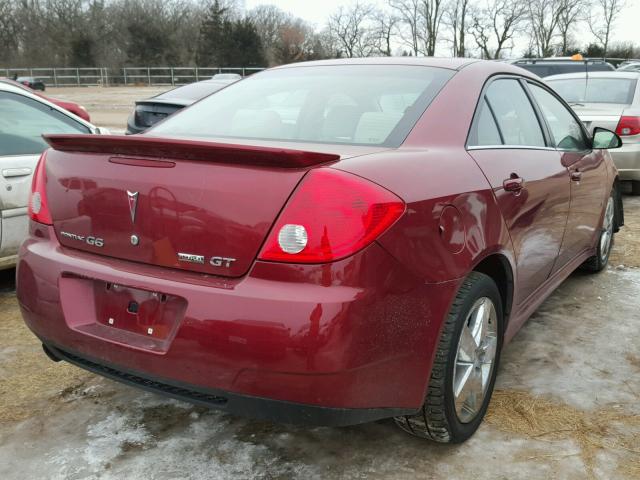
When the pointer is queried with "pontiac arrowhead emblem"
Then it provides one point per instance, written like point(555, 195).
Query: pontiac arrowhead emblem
point(133, 203)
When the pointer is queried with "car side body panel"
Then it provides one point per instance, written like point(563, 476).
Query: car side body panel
point(358, 333)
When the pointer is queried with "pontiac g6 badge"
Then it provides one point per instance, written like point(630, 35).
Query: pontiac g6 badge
point(133, 203)
point(89, 240)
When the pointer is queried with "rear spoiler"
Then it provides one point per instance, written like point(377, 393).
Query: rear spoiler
point(183, 149)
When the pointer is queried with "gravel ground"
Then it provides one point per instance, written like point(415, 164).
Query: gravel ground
point(566, 406)
point(108, 107)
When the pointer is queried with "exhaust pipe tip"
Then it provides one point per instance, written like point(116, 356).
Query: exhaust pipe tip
point(50, 354)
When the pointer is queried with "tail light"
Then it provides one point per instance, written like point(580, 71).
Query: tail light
point(38, 204)
point(331, 215)
point(628, 126)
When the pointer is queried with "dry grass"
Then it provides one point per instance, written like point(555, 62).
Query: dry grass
point(626, 249)
point(609, 429)
point(633, 360)
point(29, 379)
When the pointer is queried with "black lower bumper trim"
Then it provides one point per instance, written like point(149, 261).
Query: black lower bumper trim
point(243, 405)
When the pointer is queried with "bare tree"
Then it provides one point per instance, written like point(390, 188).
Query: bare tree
point(383, 31)
point(280, 33)
point(494, 26)
point(351, 28)
point(544, 16)
point(410, 18)
point(571, 13)
point(8, 30)
point(431, 11)
point(602, 20)
point(455, 18)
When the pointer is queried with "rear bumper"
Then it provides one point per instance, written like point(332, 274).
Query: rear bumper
point(325, 344)
point(627, 160)
point(235, 404)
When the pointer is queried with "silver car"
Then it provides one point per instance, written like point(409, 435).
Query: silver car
point(610, 100)
point(24, 117)
point(629, 67)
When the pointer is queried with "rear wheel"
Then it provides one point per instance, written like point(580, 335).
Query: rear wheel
point(465, 366)
point(605, 243)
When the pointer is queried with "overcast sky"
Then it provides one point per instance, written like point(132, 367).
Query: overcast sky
point(627, 27)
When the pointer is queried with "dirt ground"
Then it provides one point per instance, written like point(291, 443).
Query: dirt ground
point(108, 106)
point(566, 406)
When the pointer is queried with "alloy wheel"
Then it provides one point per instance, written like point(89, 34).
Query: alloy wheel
point(607, 230)
point(475, 359)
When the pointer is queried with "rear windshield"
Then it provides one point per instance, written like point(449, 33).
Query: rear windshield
point(193, 91)
point(351, 104)
point(595, 90)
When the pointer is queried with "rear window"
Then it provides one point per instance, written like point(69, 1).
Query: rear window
point(547, 69)
point(595, 90)
point(351, 104)
point(193, 91)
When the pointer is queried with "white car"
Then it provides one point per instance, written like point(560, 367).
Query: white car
point(24, 117)
point(609, 100)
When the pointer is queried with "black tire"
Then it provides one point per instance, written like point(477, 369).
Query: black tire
point(437, 420)
point(600, 260)
point(635, 187)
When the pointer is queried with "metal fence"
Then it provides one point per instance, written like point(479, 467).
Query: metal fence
point(161, 76)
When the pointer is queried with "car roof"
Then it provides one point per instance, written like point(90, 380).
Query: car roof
point(556, 60)
point(611, 74)
point(450, 63)
point(13, 83)
point(6, 87)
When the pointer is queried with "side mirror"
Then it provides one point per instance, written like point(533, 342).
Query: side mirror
point(101, 131)
point(603, 138)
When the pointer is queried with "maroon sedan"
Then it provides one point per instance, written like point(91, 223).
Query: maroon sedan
point(326, 243)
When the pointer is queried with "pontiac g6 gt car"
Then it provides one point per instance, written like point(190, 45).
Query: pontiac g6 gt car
point(326, 243)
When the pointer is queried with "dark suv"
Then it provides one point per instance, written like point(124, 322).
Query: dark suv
point(544, 67)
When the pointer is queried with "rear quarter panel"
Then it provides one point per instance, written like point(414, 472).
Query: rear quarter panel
point(432, 170)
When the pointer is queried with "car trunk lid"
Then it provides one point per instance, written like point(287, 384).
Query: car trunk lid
point(605, 115)
point(186, 204)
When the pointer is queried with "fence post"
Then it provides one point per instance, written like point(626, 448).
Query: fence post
point(78, 76)
point(148, 76)
point(197, 75)
point(243, 75)
point(124, 71)
point(55, 77)
point(173, 82)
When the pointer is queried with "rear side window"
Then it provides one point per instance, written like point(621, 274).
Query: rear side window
point(23, 121)
point(565, 129)
point(484, 132)
point(514, 114)
point(595, 90)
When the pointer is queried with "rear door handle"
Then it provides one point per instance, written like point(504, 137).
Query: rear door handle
point(16, 172)
point(514, 184)
point(576, 175)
